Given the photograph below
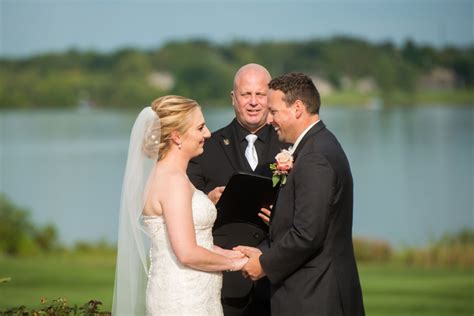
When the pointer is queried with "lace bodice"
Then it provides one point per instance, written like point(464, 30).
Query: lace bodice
point(174, 289)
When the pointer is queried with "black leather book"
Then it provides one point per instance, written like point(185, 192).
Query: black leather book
point(244, 195)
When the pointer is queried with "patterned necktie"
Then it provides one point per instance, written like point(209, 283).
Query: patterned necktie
point(250, 151)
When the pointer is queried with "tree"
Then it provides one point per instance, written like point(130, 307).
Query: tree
point(14, 227)
point(18, 235)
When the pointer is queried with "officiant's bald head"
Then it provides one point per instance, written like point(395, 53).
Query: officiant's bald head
point(252, 69)
point(249, 96)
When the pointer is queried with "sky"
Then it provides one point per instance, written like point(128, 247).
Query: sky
point(31, 27)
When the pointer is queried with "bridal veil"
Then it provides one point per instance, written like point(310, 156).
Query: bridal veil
point(131, 268)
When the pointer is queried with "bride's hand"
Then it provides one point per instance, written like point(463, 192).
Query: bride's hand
point(238, 264)
point(232, 254)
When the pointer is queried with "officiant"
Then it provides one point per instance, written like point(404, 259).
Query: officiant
point(247, 144)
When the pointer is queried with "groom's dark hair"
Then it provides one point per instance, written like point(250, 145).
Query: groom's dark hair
point(298, 86)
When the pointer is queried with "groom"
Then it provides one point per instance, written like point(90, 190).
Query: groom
point(310, 261)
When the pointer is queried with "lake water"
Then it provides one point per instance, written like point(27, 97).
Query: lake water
point(412, 168)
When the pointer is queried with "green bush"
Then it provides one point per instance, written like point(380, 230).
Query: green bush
point(452, 250)
point(19, 236)
point(367, 250)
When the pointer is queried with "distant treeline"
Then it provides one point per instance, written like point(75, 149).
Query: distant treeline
point(204, 71)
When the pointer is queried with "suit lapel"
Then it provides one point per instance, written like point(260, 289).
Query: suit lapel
point(229, 144)
point(313, 131)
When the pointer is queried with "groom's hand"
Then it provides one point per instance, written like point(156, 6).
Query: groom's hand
point(252, 269)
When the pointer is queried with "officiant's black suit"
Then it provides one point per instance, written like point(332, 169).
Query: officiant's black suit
point(310, 261)
point(223, 155)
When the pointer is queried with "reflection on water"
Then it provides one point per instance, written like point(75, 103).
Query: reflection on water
point(412, 168)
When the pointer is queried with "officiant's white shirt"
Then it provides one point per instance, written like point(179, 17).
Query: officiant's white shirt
point(298, 140)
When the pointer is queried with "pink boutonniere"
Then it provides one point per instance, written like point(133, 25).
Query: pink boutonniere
point(283, 165)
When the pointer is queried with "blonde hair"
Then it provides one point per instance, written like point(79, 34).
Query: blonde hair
point(174, 114)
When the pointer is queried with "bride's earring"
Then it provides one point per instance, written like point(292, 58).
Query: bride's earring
point(179, 146)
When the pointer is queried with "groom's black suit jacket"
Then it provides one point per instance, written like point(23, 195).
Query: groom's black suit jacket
point(223, 155)
point(310, 261)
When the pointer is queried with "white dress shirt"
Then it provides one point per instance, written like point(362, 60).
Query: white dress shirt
point(298, 140)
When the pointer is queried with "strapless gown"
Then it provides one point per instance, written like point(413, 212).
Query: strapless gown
point(174, 289)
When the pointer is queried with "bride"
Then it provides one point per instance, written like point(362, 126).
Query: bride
point(159, 202)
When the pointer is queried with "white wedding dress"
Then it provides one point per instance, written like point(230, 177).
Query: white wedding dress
point(174, 289)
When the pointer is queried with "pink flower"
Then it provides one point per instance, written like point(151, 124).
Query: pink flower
point(283, 165)
point(284, 161)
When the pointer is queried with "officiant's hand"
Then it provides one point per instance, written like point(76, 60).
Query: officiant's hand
point(215, 194)
point(265, 214)
point(252, 269)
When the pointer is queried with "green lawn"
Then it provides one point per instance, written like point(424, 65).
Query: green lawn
point(76, 278)
point(388, 289)
point(396, 98)
point(400, 290)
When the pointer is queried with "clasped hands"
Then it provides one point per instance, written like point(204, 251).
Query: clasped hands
point(252, 269)
point(245, 259)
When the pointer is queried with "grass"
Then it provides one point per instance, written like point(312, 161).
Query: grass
point(398, 98)
point(78, 278)
point(460, 97)
point(401, 290)
point(389, 289)
point(348, 98)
